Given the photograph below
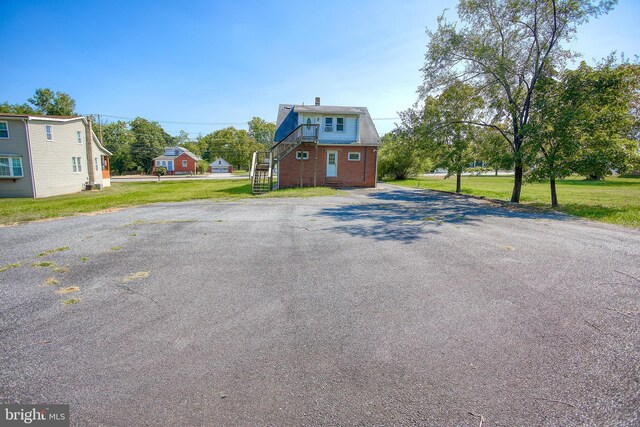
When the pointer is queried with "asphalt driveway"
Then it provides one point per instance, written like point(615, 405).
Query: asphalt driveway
point(384, 307)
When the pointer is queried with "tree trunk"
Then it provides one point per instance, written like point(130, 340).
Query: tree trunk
point(458, 176)
point(496, 171)
point(554, 194)
point(517, 182)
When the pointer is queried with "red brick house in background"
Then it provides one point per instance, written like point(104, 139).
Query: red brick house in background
point(177, 160)
point(319, 145)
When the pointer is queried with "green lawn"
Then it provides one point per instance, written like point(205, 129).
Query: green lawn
point(615, 200)
point(137, 193)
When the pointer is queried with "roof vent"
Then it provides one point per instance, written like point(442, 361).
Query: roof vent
point(317, 100)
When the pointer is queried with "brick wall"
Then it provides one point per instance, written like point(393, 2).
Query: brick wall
point(350, 173)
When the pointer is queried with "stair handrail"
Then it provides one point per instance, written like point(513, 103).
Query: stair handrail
point(303, 133)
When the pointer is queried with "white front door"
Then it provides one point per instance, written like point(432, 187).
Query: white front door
point(332, 163)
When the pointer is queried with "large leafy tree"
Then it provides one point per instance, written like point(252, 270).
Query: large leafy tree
point(52, 103)
point(262, 131)
point(399, 157)
point(583, 123)
point(502, 48)
point(608, 123)
point(149, 142)
point(444, 128)
point(118, 139)
point(5, 107)
point(234, 145)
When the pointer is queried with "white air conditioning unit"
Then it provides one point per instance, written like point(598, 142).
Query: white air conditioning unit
point(328, 128)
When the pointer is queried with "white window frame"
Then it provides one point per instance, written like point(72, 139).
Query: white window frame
point(184, 163)
point(328, 124)
point(340, 124)
point(302, 155)
point(48, 132)
point(356, 153)
point(7, 129)
point(11, 172)
point(79, 135)
point(76, 164)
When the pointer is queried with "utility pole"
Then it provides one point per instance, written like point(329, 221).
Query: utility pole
point(100, 127)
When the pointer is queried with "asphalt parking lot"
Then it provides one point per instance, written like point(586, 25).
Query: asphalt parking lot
point(383, 307)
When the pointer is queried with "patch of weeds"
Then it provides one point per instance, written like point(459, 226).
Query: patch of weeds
point(134, 222)
point(68, 290)
point(53, 251)
point(138, 275)
point(133, 234)
point(116, 248)
point(51, 281)
point(218, 220)
point(61, 269)
point(71, 301)
point(508, 248)
point(9, 267)
point(84, 259)
point(312, 219)
point(429, 218)
point(43, 264)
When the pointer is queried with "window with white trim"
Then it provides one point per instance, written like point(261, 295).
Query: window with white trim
point(340, 124)
point(79, 135)
point(184, 163)
point(302, 155)
point(11, 167)
point(95, 162)
point(328, 124)
point(4, 130)
point(49, 131)
point(77, 164)
point(353, 156)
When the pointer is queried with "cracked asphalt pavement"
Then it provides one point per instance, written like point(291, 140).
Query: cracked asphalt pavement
point(375, 307)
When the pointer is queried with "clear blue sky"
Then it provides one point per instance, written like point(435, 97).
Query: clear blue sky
point(227, 61)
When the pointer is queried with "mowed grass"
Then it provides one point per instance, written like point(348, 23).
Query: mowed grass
point(121, 195)
point(615, 200)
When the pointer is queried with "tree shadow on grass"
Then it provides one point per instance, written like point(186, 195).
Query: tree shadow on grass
point(236, 190)
point(409, 215)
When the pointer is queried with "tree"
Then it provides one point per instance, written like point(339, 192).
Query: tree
point(52, 103)
point(234, 145)
point(262, 131)
point(149, 142)
point(398, 157)
point(608, 123)
point(491, 149)
point(5, 107)
point(118, 138)
point(503, 48)
point(444, 130)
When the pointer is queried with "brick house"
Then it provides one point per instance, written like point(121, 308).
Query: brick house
point(177, 161)
point(318, 145)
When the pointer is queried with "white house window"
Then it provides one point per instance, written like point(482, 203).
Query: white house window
point(328, 124)
point(95, 162)
point(79, 135)
point(354, 157)
point(302, 155)
point(340, 124)
point(49, 131)
point(11, 167)
point(184, 163)
point(4, 130)
point(77, 165)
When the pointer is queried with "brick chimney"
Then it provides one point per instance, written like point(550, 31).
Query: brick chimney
point(317, 100)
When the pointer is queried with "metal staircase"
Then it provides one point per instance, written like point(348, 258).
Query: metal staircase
point(264, 162)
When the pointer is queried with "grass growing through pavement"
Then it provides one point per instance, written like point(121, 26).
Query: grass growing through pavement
point(52, 251)
point(121, 195)
point(615, 200)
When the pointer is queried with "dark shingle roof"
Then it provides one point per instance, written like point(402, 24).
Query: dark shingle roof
point(288, 120)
